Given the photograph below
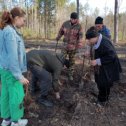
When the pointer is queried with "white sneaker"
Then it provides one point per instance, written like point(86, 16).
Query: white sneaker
point(15, 124)
point(5, 123)
point(21, 122)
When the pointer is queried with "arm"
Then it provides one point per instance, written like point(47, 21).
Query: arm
point(55, 80)
point(80, 38)
point(106, 56)
point(61, 32)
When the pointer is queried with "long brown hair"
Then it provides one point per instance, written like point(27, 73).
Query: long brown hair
point(8, 17)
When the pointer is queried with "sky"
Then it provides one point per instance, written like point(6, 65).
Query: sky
point(100, 4)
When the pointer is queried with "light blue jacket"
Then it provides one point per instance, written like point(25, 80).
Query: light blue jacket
point(1, 33)
point(12, 52)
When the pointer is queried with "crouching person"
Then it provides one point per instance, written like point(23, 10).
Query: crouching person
point(46, 67)
point(106, 63)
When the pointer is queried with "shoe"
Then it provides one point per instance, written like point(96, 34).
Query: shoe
point(6, 123)
point(21, 122)
point(15, 124)
point(45, 102)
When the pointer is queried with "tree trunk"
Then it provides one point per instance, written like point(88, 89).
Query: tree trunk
point(78, 7)
point(45, 19)
point(116, 22)
point(32, 14)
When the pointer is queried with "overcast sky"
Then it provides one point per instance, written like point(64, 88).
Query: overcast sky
point(101, 4)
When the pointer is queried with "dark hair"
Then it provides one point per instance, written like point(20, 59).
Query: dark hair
point(74, 15)
point(91, 33)
point(7, 17)
point(99, 20)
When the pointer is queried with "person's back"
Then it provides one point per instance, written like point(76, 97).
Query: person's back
point(44, 58)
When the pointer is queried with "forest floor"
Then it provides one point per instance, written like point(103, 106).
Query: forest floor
point(77, 107)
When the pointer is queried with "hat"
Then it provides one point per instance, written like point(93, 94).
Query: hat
point(91, 33)
point(74, 15)
point(99, 20)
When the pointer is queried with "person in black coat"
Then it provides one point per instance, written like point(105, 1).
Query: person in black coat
point(106, 64)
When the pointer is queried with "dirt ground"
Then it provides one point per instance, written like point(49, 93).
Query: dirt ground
point(77, 107)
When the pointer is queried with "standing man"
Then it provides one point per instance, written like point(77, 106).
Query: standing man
point(102, 28)
point(72, 32)
point(45, 67)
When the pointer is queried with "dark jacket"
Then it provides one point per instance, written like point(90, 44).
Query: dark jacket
point(110, 66)
point(46, 59)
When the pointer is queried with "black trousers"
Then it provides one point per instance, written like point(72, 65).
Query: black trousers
point(103, 93)
point(44, 78)
point(104, 86)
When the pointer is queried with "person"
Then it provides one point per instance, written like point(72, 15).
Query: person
point(12, 67)
point(102, 28)
point(0, 72)
point(73, 34)
point(107, 66)
point(45, 66)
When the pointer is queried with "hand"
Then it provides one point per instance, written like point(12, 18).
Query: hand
point(79, 45)
point(57, 95)
point(87, 54)
point(24, 81)
point(93, 63)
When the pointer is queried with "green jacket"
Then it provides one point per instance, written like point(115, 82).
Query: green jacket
point(46, 59)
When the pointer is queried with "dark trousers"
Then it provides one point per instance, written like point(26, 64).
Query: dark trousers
point(44, 78)
point(104, 91)
point(103, 94)
point(104, 83)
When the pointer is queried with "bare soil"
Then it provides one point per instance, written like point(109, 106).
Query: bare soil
point(77, 107)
